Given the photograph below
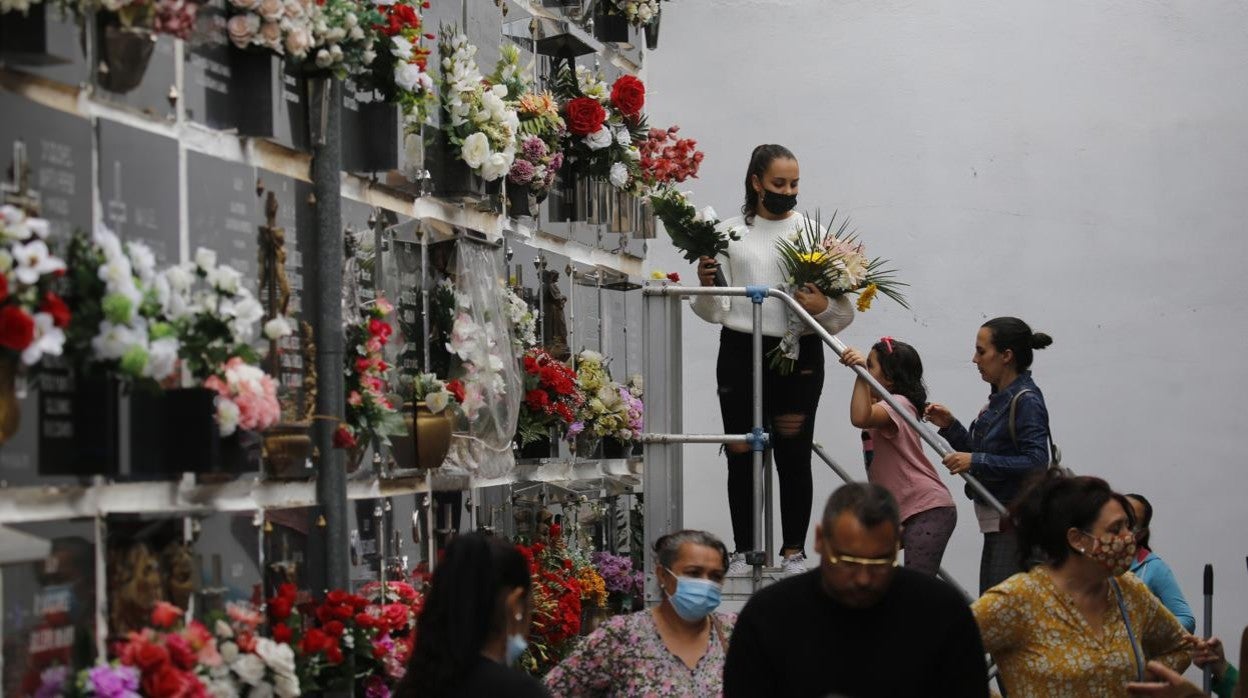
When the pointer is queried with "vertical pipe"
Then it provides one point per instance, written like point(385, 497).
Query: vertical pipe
point(423, 285)
point(331, 481)
point(769, 520)
point(1208, 671)
point(757, 446)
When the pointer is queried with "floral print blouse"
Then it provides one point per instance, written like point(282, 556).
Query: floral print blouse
point(626, 657)
point(1046, 648)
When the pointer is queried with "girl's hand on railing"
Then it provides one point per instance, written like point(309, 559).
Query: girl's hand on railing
point(853, 357)
point(706, 270)
point(957, 463)
point(811, 299)
point(939, 415)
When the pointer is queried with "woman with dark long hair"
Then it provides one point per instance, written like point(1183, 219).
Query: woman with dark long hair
point(474, 625)
point(789, 400)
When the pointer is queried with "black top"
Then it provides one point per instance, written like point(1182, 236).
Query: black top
point(489, 679)
point(793, 639)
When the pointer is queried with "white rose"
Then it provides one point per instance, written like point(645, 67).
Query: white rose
point(323, 59)
point(623, 137)
point(250, 668)
point(242, 29)
point(162, 358)
point(599, 139)
point(407, 75)
point(279, 657)
point(277, 328)
point(227, 421)
point(436, 402)
point(286, 686)
point(222, 689)
point(475, 150)
point(707, 214)
point(223, 629)
point(298, 41)
point(263, 690)
point(229, 652)
point(205, 259)
point(619, 175)
point(496, 166)
point(369, 56)
point(179, 278)
point(225, 279)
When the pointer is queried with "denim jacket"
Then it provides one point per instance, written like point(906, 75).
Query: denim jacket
point(995, 460)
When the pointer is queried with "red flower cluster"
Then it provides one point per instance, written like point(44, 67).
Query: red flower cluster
point(550, 388)
point(167, 657)
point(367, 377)
point(666, 159)
point(584, 115)
point(628, 95)
point(401, 17)
point(556, 598)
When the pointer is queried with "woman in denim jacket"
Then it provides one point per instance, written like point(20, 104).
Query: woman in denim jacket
point(987, 450)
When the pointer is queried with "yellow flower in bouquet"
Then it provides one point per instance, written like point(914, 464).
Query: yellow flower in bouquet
point(865, 298)
point(593, 586)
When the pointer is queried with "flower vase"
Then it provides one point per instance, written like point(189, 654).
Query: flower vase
point(520, 201)
point(370, 136)
point(288, 451)
point(450, 176)
point(10, 406)
point(569, 197)
point(586, 446)
point(123, 55)
point(433, 436)
point(355, 457)
point(176, 431)
point(253, 90)
point(88, 441)
point(24, 37)
point(536, 450)
point(614, 448)
point(652, 32)
point(610, 25)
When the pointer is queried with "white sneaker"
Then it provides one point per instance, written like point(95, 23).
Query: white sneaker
point(737, 566)
point(793, 564)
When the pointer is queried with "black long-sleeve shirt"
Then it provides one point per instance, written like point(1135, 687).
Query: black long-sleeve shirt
point(793, 639)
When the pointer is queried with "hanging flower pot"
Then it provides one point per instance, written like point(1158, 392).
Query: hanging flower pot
point(433, 436)
point(176, 432)
point(614, 448)
point(450, 176)
point(371, 134)
point(521, 201)
point(10, 407)
point(24, 37)
point(652, 32)
point(253, 74)
point(570, 196)
point(610, 24)
point(586, 446)
point(536, 450)
point(288, 451)
point(124, 55)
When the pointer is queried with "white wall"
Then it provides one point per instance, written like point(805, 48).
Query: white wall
point(1081, 165)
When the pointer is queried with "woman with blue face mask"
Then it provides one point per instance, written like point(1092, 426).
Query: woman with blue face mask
point(674, 649)
point(474, 625)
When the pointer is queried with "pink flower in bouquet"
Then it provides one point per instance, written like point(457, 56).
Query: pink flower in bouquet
point(244, 615)
point(252, 391)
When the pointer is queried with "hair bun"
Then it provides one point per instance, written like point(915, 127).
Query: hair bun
point(1040, 340)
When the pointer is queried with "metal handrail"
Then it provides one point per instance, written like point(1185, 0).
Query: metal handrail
point(936, 441)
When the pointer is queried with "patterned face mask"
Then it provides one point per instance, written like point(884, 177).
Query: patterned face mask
point(1114, 552)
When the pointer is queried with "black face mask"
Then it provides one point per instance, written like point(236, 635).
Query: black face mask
point(778, 203)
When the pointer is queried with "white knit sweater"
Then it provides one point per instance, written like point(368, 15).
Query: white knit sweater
point(753, 260)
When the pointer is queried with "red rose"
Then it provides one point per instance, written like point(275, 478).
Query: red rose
point(456, 388)
point(288, 591)
point(584, 115)
point(167, 682)
point(343, 438)
point(365, 621)
point(17, 329)
point(334, 654)
point(396, 615)
point(337, 596)
point(4, 287)
point(280, 608)
point(54, 306)
point(628, 94)
point(335, 628)
point(150, 656)
point(380, 329)
point(180, 651)
point(166, 615)
point(378, 651)
point(315, 641)
point(282, 633)
point(673, 277)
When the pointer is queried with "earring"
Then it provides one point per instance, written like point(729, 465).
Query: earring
point(1082, 551)
point(519, 617)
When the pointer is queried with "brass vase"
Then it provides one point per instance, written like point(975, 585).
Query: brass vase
point(10, 408)
point(432, 434)
point(287, 450)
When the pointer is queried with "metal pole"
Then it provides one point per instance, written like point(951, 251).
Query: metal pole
point(769, 514)
point(936, 441)
point(758, 554)
point(331, 481)
point(697, 438)
point(1208, 671)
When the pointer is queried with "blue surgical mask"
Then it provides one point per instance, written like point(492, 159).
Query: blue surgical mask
point(694, 598)
point(516, 645)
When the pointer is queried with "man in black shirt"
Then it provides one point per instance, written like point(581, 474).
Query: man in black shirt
point(858, 625)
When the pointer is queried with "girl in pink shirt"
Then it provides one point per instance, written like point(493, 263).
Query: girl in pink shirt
point(928, 514)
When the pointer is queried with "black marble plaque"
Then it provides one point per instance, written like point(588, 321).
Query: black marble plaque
point(290, 113)
point(49, 609)
point(58, 150)
point(370, 131)
point(208, 97)
point(223, 212)
point(45, 44)
point(155, 93)
point(139, 187)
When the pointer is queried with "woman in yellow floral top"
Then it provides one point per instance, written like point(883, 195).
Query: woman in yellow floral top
point(1058, 629)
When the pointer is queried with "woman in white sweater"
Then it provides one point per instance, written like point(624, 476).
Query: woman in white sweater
point(789, 401)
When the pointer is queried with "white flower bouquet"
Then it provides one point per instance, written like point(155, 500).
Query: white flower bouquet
point(478, 119)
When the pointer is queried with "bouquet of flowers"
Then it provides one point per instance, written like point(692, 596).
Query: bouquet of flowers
point(173, 17)
point(480, 353)
point(396, 606)
point(401, 72)
point(284, 27)
point(437, 394)
point(370, 414)
point(638, 12)
point(250, 664)
point(344, 35)
point(479, 121)
point(604, 126)
point(666, 159)
point(556, 598)
point(214, 315)
point(623, 583)
point(551, 396)
point(246, 397)
point(695, 233)
point(539, 153)
point(607, 411)
point(32, 316)
point(835, 262)
point(523, 319)
point(121, 324)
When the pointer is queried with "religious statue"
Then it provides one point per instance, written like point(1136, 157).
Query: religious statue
point(554, 324)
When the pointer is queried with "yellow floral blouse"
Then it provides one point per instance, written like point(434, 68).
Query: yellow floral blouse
point(1044, 646)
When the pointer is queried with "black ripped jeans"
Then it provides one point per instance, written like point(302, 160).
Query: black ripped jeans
point(789, 404)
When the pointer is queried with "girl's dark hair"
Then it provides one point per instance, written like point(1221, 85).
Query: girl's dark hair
point(1146, 522)
point(903, 367)
point(1051, 505)
point(462, 610)
point(760, 160)
point(1015, 335)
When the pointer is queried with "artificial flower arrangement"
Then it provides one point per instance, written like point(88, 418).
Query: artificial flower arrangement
point(604, 126)
point(610, 410)
point(552, 396)
point(639, 13)
point(481, 356)
point(834, 260)
point(556, 601)
point(539, 152)
point(173, 17)
point(401, 70)
point(344, 36)
point(625, 585)
point(32, 316)
point(695, 233)
point(667, 159)
point(437, 394)
point(370, 414)
point(523, 318)
point(479, 122)
point(284, 27)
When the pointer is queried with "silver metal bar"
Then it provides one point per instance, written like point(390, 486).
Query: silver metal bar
point(769, 514)
point(933, 439)
point(696, 438)
point(757, 356)
point(424, 298)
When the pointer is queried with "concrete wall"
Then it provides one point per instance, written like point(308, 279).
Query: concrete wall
point(1081, 165)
